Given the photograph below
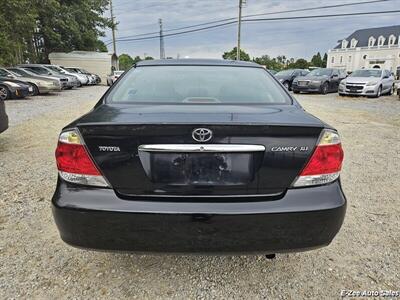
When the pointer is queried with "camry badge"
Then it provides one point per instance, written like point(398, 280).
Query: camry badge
point(202, 135)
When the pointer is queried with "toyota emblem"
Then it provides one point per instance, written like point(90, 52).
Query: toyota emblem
point(202, 135)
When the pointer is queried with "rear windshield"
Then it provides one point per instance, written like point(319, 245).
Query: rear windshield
point(198, 84)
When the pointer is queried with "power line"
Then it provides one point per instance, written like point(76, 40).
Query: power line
point(264, 20)
point(255, 15)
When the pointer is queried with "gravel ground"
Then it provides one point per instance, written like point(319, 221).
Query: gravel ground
point(36, 264)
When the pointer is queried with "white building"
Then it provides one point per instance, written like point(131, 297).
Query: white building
point(368, 48)
point(100, 63)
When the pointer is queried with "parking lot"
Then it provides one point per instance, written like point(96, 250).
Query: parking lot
point(364, 256)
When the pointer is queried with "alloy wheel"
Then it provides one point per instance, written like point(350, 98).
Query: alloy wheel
point(3, 93)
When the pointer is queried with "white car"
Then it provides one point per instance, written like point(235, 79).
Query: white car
point(368, 82)
point(113, 77)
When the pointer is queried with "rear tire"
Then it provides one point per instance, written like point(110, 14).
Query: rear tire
point(5, 93)
point(324, 88)
point(286, 85)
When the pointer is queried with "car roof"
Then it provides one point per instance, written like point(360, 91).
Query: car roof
point(197, 62)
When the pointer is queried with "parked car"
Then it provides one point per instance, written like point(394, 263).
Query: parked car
point(93, 78)
point(68, 81)
point(82, 78)
point(25, 72)
point(39, 85)
point(319, 80)
point(13, 89)
point(398, 89)
point(286, 77)
point(3, 114)
point(367, 82)
point(113, 77)
point(273, 72)
point(229, 163)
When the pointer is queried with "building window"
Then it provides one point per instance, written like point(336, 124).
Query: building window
point(341, 59)
point(381, 41)
point(349, 58)
point(333, 60)
point(371, 41)
point(344, 44)
point(392, 40)
point(353, 43)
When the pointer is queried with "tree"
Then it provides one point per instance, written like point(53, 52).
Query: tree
point(268, 62)
point(125, 62)
point(325, 60)
point(101, 47)
point(301, 63)
point(16, 30)
point(316, 60)
point(148, 58)
point(233, 54)
point(65, 25)
point(31, 29)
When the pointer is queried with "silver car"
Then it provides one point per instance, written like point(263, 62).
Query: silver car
point(82, 79)
point(40, 85)
point(368, 82)
point(71, 81)
point(113, 77)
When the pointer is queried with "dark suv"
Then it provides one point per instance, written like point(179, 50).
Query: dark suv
point(320, 80)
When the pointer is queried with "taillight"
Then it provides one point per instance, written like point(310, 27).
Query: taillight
point(325, 163)
point(74, 163)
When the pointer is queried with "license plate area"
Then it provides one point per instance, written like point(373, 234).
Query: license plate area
point(201, 169)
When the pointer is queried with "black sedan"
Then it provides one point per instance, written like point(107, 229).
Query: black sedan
point(286, 77)
point(320, 80)
point(3, 116)
point(12, 88)
point(198, 156)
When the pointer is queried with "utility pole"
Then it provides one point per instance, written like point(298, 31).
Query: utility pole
point(162, 50)
point(239, 27)
point(113, 28)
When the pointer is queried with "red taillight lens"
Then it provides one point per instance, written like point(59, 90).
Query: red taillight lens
point(73, 158)
point(325, 163)
point(74, 162)
point(325, 160)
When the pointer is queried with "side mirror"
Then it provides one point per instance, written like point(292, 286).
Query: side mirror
point(335, 76)
point(385, 77)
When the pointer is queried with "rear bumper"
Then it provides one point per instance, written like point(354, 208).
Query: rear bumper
point(49, 89)
point(96, 218)
point(308, 89)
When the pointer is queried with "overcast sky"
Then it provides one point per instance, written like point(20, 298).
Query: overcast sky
point(294, 38)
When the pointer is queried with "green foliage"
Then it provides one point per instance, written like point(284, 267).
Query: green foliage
point(325, 60)
point(31, 29)
point(101, 47)
point(233, 54)
point(125, 62)
point(268, 62)
point(317, 61)
point(301, 63)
